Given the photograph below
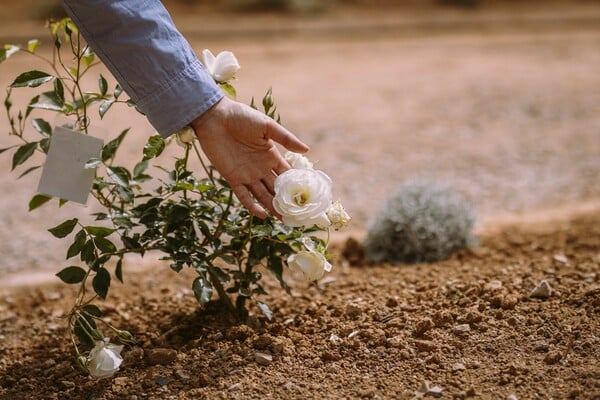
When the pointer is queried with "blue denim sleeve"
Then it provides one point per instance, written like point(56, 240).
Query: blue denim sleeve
point(140, 45)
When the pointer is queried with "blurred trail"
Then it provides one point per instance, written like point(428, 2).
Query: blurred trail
point(370, 24)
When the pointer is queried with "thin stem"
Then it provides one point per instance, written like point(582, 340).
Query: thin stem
point(220, 289)
point(206, 170)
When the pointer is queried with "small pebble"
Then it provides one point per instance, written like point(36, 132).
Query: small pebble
point(459, 367)
point(353, 310)
point(461, 329)
point(423, 326)
point(181, 374)
point(163, 380)
point(509, 302)
point(160, 356)
point(541, 291)
point(235, 387)
point(263, 358)
point(561, 258)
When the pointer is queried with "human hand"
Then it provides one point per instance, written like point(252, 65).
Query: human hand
point(240, 142)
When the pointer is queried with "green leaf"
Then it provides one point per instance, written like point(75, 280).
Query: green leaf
point(275, 265)
point(22, 154)
point(100, 231)
point(130, 243)
point(154, 147)
point(72, 274)
point(140, 168)
point(77, 244)
point(119, 175)
point(37, 201)
point(43, 127)
point(59, 91)
point(103, 85)
point(104, 245)
point(118, 91)
point(119, 270)
point(109, 150)
point(101, 282)
point(202, 290)
point(8, 50)
point(88, 56)
point(221, 275)
point(45, 145)
point(64, 229)
point(265, 309)
point(30, 169)
point(82, 334)
point(31, 79)
point(104, 107)
point(228, 89)
point(92, 163)
point(49, 101)
point(92, 309)
point(87, 252)
point(178, 213)
point(32, 45)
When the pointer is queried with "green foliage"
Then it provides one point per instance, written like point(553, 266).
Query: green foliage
point(423, 222)
point(192, 218)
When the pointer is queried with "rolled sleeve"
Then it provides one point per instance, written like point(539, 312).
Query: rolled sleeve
point(140, 45)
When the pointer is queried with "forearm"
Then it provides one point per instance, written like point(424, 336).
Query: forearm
point(140, 45)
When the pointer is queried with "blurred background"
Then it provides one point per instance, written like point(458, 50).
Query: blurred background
point(498, 98)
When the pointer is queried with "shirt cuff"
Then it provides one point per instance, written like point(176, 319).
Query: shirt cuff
point(186, 96)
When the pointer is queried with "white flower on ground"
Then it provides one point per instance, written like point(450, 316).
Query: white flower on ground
point(338, 216)
point(302, 197)
point(312, 263)
point(298, 161)
point(104, 359)
point(223, 67)
point(185, 136)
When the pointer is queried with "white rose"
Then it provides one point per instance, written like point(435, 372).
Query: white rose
point(104, 359)
point(312, 263)
point(302, 196)
point(298, 161)
point(185, 136)
point(338, 216)
point(222, 67)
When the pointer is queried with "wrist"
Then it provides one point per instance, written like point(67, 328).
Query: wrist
point(215, 112)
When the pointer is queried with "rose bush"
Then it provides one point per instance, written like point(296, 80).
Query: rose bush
point(192, 220)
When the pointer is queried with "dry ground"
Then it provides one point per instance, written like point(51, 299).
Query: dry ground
point(503, 106)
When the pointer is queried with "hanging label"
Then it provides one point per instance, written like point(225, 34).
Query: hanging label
point(64, 174)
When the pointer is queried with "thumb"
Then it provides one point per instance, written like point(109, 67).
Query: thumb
point(285, 138)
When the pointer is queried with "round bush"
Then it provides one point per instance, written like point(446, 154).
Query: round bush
point(423, 222)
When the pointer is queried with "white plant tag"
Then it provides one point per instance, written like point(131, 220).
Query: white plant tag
point(64, 174)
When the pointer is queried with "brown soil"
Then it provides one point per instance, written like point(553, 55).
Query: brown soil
point(468, 326)
point(499, 104)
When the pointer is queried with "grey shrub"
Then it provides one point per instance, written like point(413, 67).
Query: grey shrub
point(423, 222)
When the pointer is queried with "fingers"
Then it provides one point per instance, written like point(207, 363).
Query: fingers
point(285, 138)
point(263, 195)
point(280, 167)
point(247, 200)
